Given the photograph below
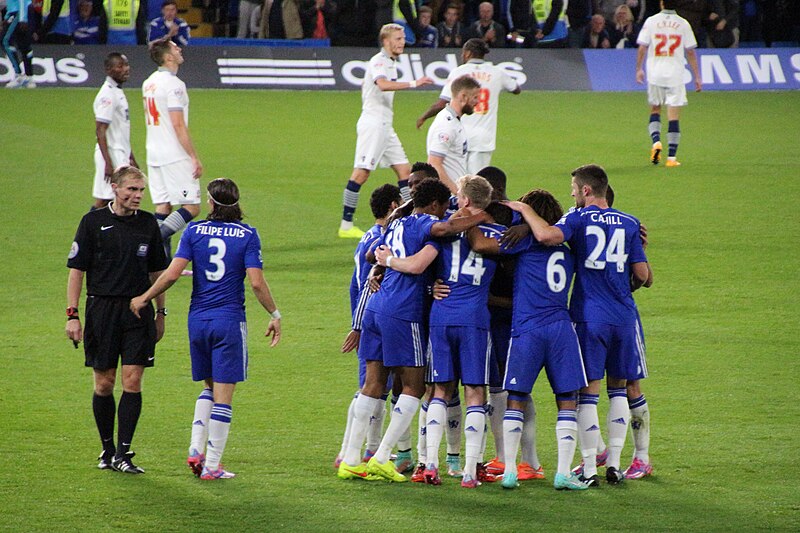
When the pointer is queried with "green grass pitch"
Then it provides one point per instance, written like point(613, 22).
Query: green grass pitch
point(721, 321)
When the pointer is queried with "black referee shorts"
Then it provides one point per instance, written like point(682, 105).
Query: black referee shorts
point(112, 331)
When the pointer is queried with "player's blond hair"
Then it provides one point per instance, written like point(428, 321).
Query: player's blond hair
point(126, 172)
point(387, 30)
point(477, 189)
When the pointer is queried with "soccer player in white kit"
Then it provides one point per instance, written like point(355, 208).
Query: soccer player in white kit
point(172, 163)
point(447, 141)
point(112, 128)
point(668, 42)
point(481, 126)
point(377, 141)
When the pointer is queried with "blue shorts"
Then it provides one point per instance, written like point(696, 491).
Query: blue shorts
point(219, 350)
point(554, 347)
point(460, 353)
point(614, 350)
point(501, 335)
point(392, 341)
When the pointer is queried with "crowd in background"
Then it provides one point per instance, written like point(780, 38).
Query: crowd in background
point(428, 23)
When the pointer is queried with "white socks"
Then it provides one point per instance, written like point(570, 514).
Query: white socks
point(434, 429)
point(512, 432)
point(618, 416)
point(402, 415)
point(497, 412)
point(529, 454)
point(219, 426)
point(362, 412)
point(640, 428)
point(474, 431)
point(202, 414)
point(588, 431)
point(566, 435)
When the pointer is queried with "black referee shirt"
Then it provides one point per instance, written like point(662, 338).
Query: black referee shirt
point(117, 253)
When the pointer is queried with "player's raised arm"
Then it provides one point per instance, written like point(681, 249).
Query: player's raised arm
point(415, 264)
point(544, 232)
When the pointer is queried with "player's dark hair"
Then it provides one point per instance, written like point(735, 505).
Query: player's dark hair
point(425, 9)
point(224, 194)
point(158, 49)
point(476, 47)
point(497, 179)
point(545, 205)
point(426, 168)
point(464, 83)
point(429, 191)
point(669, 4)
point(594, 176)
point(112, 59)
point(502, 214)
point(125, 172)
point(166, 3)
point(610, 196)
point(381, 200)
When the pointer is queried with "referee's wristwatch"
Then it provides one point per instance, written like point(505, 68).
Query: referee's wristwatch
point(72, 313)
point(161, 311)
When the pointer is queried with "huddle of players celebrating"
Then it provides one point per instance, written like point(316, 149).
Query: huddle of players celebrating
point(467, 289)
point(458, 334)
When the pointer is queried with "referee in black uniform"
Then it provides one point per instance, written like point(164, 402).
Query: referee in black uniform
point(121, 251)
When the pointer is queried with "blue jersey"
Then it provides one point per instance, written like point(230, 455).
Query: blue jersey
point(541, 284)
point(605, 243)
point(469, 276)
point(403, 295)
point(221, 253)
point(361, 272)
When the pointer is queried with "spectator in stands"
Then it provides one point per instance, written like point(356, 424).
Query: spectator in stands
point(450, 30)
point(282, 20)
point(697, 13)
point(246, 8)
point(428, 36)
point(169, 25)
point(596, 35)
point(127, 21)
point(608, 8)
point(548, 28)
point(355, 24)
point(56, 27)
point(624, 31)
point(724, 30)
point(86, 27)
point(317, 17)
point(579, 15)
point(486, 29)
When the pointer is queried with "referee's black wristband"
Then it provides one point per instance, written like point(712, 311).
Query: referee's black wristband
point(73, 317)
point(162, 311)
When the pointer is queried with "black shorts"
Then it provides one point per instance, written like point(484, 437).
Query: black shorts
point(112, 331)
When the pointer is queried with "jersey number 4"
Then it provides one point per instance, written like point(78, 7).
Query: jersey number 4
point(151, 111)
point(666, 44)
point(614, 253)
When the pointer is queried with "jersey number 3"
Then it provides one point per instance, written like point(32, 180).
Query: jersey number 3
point(216, 259)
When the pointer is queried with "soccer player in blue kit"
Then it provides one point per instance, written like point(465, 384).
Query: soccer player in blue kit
point(610, 263)
point(223, 251)
point(393, 334)
point(459, 330)
point(542, 336)
point(384, 200)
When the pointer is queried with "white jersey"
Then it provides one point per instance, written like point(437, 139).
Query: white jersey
point(481, 125)
point(111, 107)
point(163, 92)
point(447, 139)
point(374, 102)
point(667, 37)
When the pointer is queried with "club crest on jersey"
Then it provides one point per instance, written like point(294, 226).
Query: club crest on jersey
point(142, 251)
point(185, 193)
point(445, 138)
point(73, 251)
point(105, 102)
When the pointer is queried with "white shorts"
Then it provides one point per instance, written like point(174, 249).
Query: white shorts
point(477, 161)
point(174, 184)
point(377, 144)
point(102, 188)
point(670, 96)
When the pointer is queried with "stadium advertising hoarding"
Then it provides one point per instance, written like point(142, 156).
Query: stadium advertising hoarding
point(343, 68)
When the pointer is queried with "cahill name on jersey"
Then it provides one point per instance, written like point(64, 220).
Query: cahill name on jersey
point(221, 253)
point(605, 243)
point(163, 92)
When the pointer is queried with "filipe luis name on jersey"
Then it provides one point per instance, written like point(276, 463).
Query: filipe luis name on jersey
point(220, 231)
